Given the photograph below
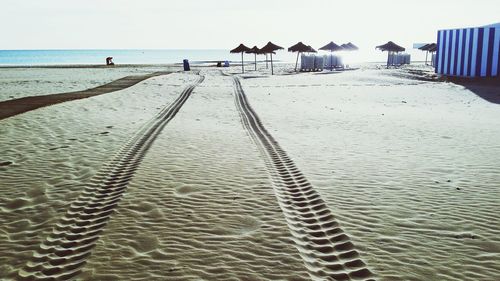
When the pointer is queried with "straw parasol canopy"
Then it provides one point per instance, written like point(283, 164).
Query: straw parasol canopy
point(332, 47)
point(390, 47)
point(300, 48)
point(428, 47)
point(254, 50)
point(349, 47)
point(269, 48)
point(240, 49)
point(311, 49)
point(431, 47)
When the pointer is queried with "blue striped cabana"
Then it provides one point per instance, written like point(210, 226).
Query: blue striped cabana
point(469, 52)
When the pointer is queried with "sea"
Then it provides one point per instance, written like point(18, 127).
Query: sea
point(121, 56)
point(165, 56)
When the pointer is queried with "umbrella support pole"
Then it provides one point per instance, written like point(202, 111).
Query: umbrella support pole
point(297, 61)
point(426, 54)
point(331, 61)
point(255, 58)
point(272, 71)
point(242, 66)
point(266, 63)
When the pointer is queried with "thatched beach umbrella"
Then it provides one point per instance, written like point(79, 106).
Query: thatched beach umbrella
point(428, 48)
point(433, 48)
point(332, 47)
point(349, 47)
point(390, 47)
point(311, 49)
point(254, 50)
point(240, 49)
point(269, 48)
point(300, 48)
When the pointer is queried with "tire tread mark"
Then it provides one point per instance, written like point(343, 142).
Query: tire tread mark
point(62, 255)
point(326, 250)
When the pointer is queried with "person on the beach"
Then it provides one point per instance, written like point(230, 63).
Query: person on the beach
point(109, 61)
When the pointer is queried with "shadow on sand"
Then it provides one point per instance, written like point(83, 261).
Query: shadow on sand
point(485, 88)
point(14, 107)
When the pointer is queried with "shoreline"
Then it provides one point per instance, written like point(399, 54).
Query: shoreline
point(192, 63)
point(88, 66)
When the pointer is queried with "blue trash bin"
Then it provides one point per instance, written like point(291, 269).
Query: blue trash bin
point(186, 65)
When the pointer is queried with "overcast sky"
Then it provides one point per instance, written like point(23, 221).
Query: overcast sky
point(203, 24)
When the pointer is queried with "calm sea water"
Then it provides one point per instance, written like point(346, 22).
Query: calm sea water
point(48, 57)
point(148, 56)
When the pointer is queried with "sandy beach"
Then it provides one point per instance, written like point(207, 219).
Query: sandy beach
point(366, 174)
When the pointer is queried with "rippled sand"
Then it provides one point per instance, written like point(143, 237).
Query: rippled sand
point(408, 168)
point(201, 206)
point(56, 150)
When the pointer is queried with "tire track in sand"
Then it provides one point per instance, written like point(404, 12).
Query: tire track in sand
point(326, 250)
point(64, 252)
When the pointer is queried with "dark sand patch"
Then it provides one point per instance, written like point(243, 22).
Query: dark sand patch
point(17, 106)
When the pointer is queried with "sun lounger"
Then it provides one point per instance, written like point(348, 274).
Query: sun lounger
point(318, 63)
point(399, 59)
point(307, 63)
point(333, 61)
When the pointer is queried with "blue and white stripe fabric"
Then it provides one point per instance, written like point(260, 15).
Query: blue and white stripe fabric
point(469, 52)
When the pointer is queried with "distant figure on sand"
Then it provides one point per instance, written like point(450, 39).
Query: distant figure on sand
point(109, 61)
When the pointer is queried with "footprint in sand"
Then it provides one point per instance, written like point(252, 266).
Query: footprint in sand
point(55, 148)
point(5, 163)
point(466, 235)
point(17, 203)
point(236, 226)
point(145, 243)
point(143, 207)
point(185, 190)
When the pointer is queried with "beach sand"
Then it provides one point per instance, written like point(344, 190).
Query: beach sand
point(408, 166)
point(19, 82)
point(395, 172)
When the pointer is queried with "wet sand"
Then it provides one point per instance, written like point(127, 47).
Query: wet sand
point(356, 175)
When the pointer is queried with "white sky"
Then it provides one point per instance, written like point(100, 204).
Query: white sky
point(223, 24)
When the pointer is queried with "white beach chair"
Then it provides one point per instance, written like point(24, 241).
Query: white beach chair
point(327, 62)
point(332, 61)
point(306, 62)
point(339, 63)
point(318, 63)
